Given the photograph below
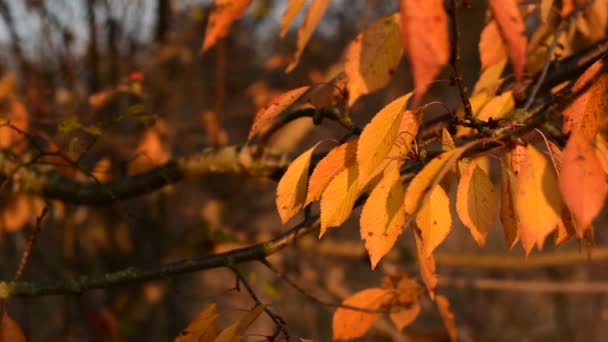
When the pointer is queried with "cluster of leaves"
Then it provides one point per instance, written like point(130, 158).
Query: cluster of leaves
point(542, 188)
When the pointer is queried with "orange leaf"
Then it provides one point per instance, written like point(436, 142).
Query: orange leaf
point(10, 331)
point(426, 264)
point(245, 322)
point(406, 315)
point(265, 116)
point(333, 163)
point(513, 31)
point(292, 10)
point(382, 217)
point(447, 316)
point(202, 328)
point(476, 202)
point(229, 334)
point(372, 57)
point(434, 219)
point(311, 20)
point(536, 197)
point(339, 197)
point(291, 191)
point(224, 13)
point(349, 324)
point(582, 181)
point(378, 137)
point(424, 31)
point(507, 208)
point(588, 111)
point(492, 48)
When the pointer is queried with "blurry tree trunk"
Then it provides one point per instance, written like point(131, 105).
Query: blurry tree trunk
point(92, 53)
point(7, 16)
point(163, 15)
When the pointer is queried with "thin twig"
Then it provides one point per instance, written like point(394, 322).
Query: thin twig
point(455, 61)
point(30, 242)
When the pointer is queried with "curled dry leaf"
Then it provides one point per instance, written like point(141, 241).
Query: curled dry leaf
point(372, 57)
point(311, 20)
point(582, 181)
point(424, 31)
point(223, 14)
point(378, 137)
point(476, 202)
point(327, 168)
point(383, 217)
point(447, 316)
point(434, 219)
point(536, 197)
point(292, 10)
point(349, 324)
point(291, 191)
point(265, 116)
point(513, 31)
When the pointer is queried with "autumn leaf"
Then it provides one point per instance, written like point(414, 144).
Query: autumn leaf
point(426, 264)
point(582, 181)
point(265, 116)
point(202, 328)
point(327, 168)
point(424, 31)
point(382, 217)
point(379, 135)
point(229, 334)
point(490, 79)
point(245, 322)
point(349, 324)
point(292, 10)
point(434, 219)
point(476, 202)
point(545, 9)
point(10, 331)
point(492, 48)
point(291, 191)
point(406, 296)
point(223, 14)
point(535, 193)
point(513, 31)
point(507, 207)
point(339, 197)
point(311, 20)
point(447, 316)
point(372, 57)
point(498, 107)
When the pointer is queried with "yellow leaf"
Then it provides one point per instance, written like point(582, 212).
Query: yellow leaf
point(477, 102)
point(490, 80)
point(265, 116)
point(372, 57)
point(202, 328)
point(311, 20)
point(292, 10)
point(507, 207)
point(378, 137)
point(498, 107)
point(492, 49)
point(333, 163)
point(224, 13)
point(434, 219)
point(424, 31)
point(426, 264)
point(535, 193)
point(512, 29)
point(349, 324)
point(476, 202)
point(582, 181)
point(339, 197)
point(291, 191)
point(382, 217)
point(447, 316)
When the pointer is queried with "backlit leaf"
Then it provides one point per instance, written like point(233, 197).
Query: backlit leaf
point(434, 219)
point(292, 10)
point(349, 324)
point(447, 316)
point(507, 207)
point(426, 264)
point(291, 191)
point(379, 135)
point(405, 316)
point(229, 334)
point(311, 20)
point(498, 107)
point(424, 31)
point(372, 57)
point(265, 116)
point(536, 197)
point(333, 163)
point(492, 49)
point(582, 181)
point(339, 197)
point(202, 328)
point(382, 217)
point(513, 31)
point(476, 202)
point(490, 79)
point(224, 13)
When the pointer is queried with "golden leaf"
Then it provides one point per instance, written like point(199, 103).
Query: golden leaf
point(492, 49)
point(434, 219)
point(507, 208)
point(447, 316)
point(291, 191)
point(372, 57)
point(490, 79)
point(426, 264)
point(202, 328)
point(224, 13)
point(229, 334)
point(382, 217)
point(339, 197)
point(311, 20)
point(292, 10)
point(424, 31)
point(265, 116)
point(498, 107)
point(513, 31)
point(349, 324)
point(476, 202)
